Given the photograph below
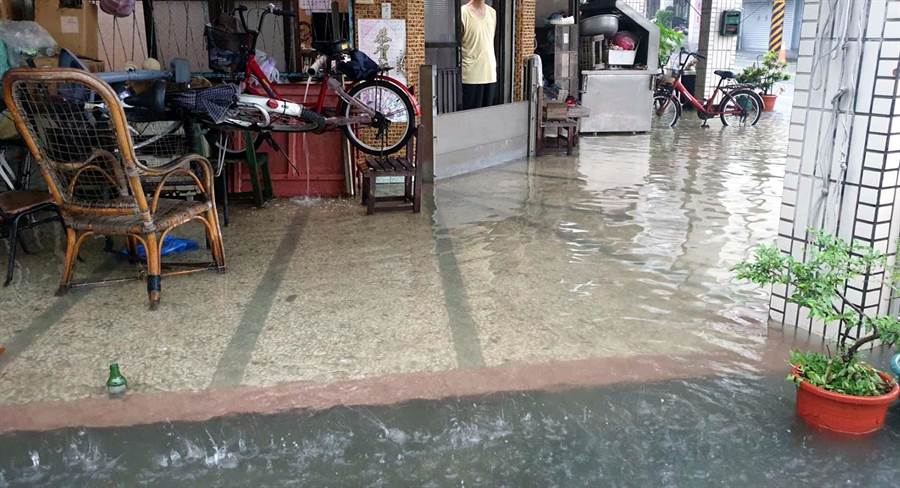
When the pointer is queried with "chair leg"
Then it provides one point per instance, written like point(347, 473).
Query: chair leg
point(154, 270)
point(214, 237)
point(407, 188)
point(131, 246)
point(365, 189)
point(539, 141)
point(72, 244)
point(11, 266)
point(417, 193)
point(370, 182)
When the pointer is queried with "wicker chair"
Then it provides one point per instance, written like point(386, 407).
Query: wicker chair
point(76, 130)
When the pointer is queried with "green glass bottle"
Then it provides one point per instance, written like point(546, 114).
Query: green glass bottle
point(116, 384)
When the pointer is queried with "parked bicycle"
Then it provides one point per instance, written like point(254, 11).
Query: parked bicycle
point(376, 112)
point(735, 105)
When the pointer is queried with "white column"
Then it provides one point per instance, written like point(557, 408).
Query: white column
point(844, 143)
point(719, 50)
point(694, 21)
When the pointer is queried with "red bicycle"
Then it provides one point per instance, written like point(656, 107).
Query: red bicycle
point(377, 113)
point(735, 105)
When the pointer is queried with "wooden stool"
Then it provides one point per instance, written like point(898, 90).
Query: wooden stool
point(571, 128)
point(406, 167)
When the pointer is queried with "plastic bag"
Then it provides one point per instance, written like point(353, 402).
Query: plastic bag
point(25, 40)
point(625, 40)
point(117, 8)
point(172, 245)
point(268, 66)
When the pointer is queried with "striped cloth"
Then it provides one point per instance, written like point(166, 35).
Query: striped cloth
point(210, 102)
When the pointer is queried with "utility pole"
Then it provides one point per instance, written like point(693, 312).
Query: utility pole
point(776, 33)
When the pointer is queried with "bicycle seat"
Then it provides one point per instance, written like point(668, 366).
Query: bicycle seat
point(330, 48)
point(725, 74)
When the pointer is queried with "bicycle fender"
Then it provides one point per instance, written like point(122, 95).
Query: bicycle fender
point(405, 89)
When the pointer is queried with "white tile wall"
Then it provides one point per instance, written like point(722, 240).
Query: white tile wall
point(861, 205)
point(639, 5)
point(719, 50)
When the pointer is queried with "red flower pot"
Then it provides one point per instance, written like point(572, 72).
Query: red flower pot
point(844, 413)
point(769, 102)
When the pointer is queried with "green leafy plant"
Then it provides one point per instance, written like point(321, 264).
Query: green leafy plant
point(771, 71)
point(665, 17)
point(817, 284)
point(670, 40)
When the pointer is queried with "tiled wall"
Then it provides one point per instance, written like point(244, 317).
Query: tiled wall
point(639, 5)
point(719, 50)
point(844, 144)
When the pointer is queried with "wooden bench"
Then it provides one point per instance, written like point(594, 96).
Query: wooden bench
point(405, 166)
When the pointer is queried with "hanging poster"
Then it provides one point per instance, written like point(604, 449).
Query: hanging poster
point(384, 40)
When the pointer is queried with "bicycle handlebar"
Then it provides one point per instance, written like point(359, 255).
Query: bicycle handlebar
point(694, 54)
point(270, 9)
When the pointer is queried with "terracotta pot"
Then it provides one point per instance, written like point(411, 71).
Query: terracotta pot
point(769, 102)
point(844, 413)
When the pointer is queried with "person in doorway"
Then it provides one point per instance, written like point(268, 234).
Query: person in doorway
point(479, 63)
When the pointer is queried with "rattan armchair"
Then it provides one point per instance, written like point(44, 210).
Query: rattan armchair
point(76, 130)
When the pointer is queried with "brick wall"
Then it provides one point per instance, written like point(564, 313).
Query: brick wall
point(525, 43)
point(414, 13)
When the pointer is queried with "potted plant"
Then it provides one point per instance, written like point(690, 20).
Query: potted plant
point(765, 76)
point(835, 390)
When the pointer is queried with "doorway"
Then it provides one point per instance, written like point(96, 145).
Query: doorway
point(443, 32)
point(504, 48)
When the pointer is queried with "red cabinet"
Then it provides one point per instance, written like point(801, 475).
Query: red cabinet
point(318, 163)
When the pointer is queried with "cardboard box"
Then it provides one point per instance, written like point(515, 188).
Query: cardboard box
point(75, 29)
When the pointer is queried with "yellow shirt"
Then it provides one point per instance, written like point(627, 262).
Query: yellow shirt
point(479, 63)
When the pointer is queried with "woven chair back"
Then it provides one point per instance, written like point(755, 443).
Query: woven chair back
point(76, 130)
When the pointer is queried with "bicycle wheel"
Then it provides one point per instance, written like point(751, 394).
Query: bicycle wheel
point(740, 108)
point(307, 122)
point(393, 124)
point(152, 136)
point(666, 111)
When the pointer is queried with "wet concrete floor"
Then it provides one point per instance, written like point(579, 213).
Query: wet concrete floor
point(563, 321)
point(527, 272)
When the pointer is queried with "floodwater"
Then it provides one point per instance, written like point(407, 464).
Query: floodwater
point(621, 252)
point(700, 432)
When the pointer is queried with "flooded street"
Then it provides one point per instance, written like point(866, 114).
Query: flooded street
point(562, 321)
point(726, 431)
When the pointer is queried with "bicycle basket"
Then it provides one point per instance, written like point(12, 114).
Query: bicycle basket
point(228, 51)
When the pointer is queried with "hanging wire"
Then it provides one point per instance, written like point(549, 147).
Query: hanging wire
point(187, 25)
point(825, 47)
point(134, 32)
point(121, 40)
